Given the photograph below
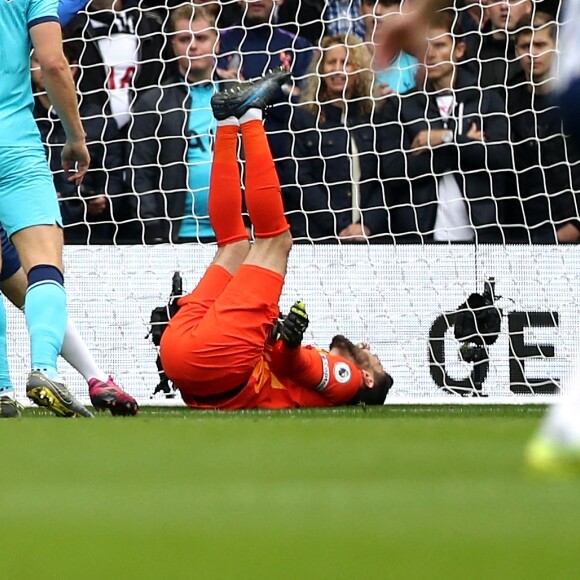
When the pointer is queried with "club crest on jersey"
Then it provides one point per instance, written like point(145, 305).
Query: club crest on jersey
point(342, 372)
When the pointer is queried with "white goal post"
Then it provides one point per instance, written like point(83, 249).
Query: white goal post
point(399, 297)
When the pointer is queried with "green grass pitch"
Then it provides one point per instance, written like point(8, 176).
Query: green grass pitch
point(396, 492)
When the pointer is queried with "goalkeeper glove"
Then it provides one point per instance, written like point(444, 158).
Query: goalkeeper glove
point(291, 329)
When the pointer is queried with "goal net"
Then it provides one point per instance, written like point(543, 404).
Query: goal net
point(406, 195)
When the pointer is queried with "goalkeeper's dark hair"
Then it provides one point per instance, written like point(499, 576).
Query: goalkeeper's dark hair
point(377, 394)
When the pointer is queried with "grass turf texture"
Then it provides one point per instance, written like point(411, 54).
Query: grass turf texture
point(396, 492)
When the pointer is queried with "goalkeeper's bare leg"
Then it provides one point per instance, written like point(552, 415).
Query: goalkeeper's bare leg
point(103, 391)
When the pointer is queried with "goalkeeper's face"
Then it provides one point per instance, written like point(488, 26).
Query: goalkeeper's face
point(377, 381)
point(360, 354)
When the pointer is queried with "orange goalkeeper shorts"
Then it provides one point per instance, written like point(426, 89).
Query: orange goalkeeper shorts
point(217, 337)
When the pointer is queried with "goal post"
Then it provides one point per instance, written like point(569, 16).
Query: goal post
point(371, 174)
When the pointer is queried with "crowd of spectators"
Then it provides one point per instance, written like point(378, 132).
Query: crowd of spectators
point(462, 143)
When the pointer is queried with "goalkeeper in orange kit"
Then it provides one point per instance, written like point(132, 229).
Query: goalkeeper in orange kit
point(225, 347)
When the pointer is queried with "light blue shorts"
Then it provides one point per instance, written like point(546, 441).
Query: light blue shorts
point(27, 193)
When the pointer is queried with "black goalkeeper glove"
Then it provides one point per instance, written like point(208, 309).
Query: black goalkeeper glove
point(291, 329)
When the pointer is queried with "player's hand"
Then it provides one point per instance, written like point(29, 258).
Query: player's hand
point(75, 152)
point(292, 328)
point(406, 31)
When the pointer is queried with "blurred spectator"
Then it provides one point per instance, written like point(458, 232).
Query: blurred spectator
point(68, 9)
point(473, 18)
point(397, 71)
point(299, 17)
point(86, 211)
point(302, 17)
point(172, 134)
point(472, 15)
point(442, 184)
point(547, 164)
point(121, 55)
point(224, 13)
point(338, 194)
point(498, 66)
point(343, 17)
point(255, 45)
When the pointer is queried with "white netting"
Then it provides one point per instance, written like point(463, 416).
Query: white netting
point(467, 148)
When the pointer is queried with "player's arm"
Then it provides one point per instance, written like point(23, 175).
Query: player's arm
point(406, 30)
point(47, 41)
point(334, 378)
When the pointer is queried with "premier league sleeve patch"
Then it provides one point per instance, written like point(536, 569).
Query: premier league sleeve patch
point(342, 372)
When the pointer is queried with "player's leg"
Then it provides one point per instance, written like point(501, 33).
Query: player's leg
point(555, 448)
point(225, 211)
point(257, 285)
point(30, 214)
point(225, 198)
point(264, 198)
point(8, 405)
point(9, 408)
point(228, 341)
point(103, 391)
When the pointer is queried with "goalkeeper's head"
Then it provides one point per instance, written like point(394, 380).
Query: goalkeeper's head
point(377, 382)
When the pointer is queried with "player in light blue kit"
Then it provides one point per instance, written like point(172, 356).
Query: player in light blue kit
point(29, 208)
point(555, 448)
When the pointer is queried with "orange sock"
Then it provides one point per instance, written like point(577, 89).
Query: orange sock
point(225, 193)
point(263, 194)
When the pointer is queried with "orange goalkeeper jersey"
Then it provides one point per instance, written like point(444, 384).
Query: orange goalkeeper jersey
point(286, 378)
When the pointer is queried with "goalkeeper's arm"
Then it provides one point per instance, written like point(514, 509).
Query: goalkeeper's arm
point(312, 369)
